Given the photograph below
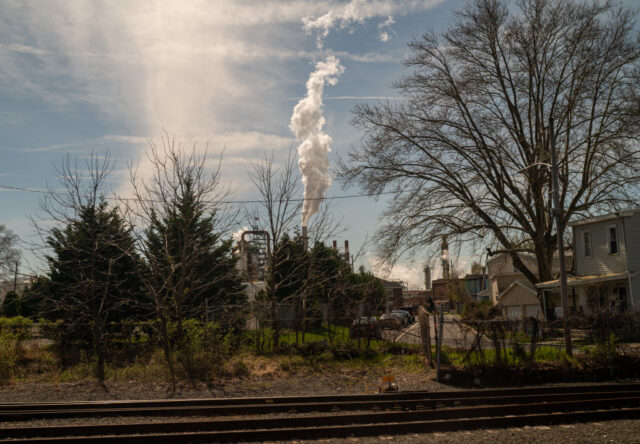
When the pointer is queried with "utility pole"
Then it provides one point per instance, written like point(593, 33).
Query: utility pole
point(15, 279)
point(559, 216)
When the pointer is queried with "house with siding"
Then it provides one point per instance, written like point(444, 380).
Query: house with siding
point(606, 263)
point(511, 290)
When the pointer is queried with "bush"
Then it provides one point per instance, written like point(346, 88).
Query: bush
point(477, 311)
point(201, 348)
point(13, 332)
point(66, 345)
point(129, 341)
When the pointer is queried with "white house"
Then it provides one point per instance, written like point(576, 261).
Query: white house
point(607, 259)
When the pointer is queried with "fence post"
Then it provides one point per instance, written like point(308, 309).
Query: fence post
point(425, 333)
point(439, 341)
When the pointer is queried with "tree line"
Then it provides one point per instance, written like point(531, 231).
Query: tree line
point(165, 256)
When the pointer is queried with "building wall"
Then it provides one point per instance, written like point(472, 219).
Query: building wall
point(440, 289)
point(600, 261)
point(519, 302)
point(632, 235)
point(474, 284)
point(503, 263)
point(415, 297)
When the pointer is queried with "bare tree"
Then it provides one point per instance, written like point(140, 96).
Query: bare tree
point(278, 212)
point(9, 254)
point(466, 153)
point(182, 211)
point(92, 276)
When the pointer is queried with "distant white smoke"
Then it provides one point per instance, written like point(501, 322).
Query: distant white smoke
point(237, 236)
point(306, 123)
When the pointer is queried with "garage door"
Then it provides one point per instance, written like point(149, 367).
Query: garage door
point(532, 310)
point(514, 311)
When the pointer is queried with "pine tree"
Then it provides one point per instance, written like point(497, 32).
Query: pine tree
point(93, 276)
point(192, 257)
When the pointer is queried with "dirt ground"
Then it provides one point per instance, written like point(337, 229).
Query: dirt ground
point(345, 381)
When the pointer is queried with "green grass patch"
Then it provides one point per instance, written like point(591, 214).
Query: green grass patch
point(507, 358)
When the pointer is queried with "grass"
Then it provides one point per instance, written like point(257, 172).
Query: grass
point(509, 358)
point(357, 356)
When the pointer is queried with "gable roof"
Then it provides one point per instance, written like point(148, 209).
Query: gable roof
point(519, 284)
point(611, 216)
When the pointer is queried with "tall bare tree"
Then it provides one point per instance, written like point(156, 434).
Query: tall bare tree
point(182, 213)
point(466, 153)
point(280, 189)
point(9, 254)
point(92, 277)
point(278, 214)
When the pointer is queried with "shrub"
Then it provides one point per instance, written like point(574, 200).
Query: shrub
point(66, 345)
point(13, 332)
point(201, 348)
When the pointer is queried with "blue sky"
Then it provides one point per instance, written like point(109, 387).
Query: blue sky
point(77, 76)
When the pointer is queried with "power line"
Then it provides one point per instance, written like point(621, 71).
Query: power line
point(230, 202)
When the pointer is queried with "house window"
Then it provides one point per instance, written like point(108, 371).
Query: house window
point(613, 239)
point(586, 237)
point(621, 299)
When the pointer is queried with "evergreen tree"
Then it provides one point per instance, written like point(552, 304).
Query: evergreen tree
point(192, 258)
point(93, 276)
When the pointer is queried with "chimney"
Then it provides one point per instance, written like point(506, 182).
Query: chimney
point(346, 252)
point(335, 245)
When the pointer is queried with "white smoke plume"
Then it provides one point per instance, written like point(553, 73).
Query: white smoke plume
point(237, 236)
point(306, 123)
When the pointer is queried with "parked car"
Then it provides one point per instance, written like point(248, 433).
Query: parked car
point(390, 321)
point(406, 318)
point(365, 327)
point(412, 310)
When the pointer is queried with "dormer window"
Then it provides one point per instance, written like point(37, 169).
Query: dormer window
point(586, 237)
point(613, 239)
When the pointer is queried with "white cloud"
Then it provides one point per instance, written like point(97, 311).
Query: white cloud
point(387, 23)
point(384, 36)
point(357, 11)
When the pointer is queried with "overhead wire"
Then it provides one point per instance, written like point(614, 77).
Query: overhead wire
point(229, 202)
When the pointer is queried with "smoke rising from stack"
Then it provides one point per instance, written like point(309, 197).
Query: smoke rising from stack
point(306, 123)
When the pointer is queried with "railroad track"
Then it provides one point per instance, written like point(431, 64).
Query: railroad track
point(359, 415)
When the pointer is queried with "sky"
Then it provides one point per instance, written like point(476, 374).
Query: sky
point(110, 76)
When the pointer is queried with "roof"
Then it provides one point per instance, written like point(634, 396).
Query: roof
point(576, 281)
point(605, 217)
point(507, 254)
point(513, 285)
point(391, 284)
point(474, 276)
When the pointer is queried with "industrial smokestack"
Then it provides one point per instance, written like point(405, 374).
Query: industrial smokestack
point(427, 277)
point(335, 245)
point(305, 238)
point(346, 252)
point(446, 270)
point(306, 123)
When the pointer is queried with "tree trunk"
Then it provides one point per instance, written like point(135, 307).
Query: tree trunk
point(166, 346)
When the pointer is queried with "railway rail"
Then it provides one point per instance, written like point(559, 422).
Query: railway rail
point(359, 415)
